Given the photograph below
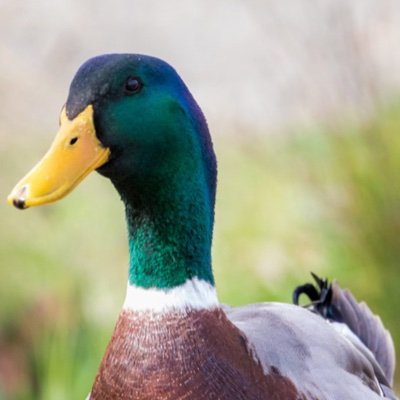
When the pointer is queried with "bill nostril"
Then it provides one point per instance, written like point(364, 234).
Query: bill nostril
point(73, 140)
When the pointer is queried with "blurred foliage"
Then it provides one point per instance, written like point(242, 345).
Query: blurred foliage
point(324, 200)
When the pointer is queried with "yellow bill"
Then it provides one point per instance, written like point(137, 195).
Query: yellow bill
point(75, 153)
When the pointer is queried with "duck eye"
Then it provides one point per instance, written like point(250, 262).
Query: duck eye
point(132, 85)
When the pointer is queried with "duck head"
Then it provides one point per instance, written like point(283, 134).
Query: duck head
point(128, 117)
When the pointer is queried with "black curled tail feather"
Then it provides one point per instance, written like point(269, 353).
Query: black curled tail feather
point(339, 305)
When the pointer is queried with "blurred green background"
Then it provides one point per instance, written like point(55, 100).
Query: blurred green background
point(307, 133)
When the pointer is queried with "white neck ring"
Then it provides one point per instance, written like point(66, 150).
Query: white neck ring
point(194, 294)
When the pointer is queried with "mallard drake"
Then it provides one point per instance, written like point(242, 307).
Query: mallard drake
point(132, 119)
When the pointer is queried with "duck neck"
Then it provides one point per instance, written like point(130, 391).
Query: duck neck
point(169, 229)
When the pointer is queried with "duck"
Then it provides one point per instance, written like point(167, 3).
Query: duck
point(132, 119)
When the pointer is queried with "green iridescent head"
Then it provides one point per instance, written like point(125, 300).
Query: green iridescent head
point(132, 118)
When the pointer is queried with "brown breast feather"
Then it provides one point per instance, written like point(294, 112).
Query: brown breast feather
point(196, 355)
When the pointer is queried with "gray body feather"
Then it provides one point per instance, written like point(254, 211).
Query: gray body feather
point(352, 358)
point(367, 327)
point(321, 363)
